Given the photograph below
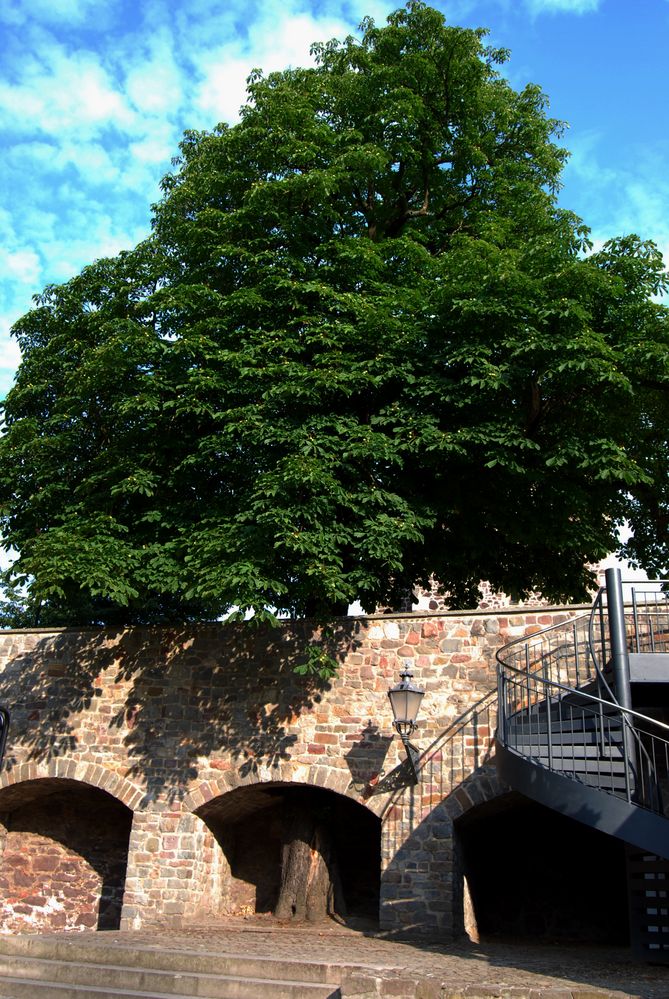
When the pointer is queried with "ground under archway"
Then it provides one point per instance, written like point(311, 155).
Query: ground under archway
point(249, 824)
point(64, 856)
point(535, 874)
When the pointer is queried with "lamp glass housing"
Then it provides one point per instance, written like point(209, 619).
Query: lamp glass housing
point(405, 699)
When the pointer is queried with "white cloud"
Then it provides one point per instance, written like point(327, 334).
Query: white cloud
point(22, 265)
point(10, 355)
point(154, 83)
point(58, 92)
point(282, 35)
point(19, 12)
point(562, 6)
point(616, 198)
point(631, 193)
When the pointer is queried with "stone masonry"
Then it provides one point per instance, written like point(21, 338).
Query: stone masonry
point(133, 753)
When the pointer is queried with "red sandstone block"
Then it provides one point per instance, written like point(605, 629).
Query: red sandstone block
point(326, 739)
point(413, 638)
point(45, 863)
point(430, 629)
point(12, 860)
point(315, 748)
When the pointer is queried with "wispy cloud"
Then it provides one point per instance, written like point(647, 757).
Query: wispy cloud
point(629, 195)
point(563, 6)
point(19, 13)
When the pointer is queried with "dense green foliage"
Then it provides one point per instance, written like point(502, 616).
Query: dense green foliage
point(362, 346)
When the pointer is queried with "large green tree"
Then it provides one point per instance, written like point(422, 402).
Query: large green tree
point(362, 345)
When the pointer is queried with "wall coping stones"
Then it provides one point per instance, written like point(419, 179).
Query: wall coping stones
point(510, 611)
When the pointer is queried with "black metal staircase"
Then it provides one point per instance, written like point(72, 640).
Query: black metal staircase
point(570, 737)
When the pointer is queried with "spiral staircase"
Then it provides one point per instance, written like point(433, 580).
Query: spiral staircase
point(582, 729)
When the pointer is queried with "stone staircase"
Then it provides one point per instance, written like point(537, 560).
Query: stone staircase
point(42, 967)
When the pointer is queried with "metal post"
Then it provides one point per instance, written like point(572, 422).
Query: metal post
point(635, 612)
point(620, 661)
point(620, 664)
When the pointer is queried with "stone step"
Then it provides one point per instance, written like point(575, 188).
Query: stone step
point(25, 988)
point(61, 967)
point(95, 950)
point(117, 978)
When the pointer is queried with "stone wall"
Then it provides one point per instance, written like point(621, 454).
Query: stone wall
point(167, 722)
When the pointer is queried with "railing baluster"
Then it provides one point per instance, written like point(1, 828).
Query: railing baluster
point(549, 727)
point(651, 630)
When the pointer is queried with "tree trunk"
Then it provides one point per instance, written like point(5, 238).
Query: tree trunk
point(310, 882)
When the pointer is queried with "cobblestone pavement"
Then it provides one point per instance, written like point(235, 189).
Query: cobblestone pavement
point(497, 969)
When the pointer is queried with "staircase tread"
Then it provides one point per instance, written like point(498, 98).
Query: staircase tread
point(158, 949)
point(263, 983)
point(95, 988)
point(138, 969)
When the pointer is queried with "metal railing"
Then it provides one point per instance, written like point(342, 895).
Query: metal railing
point(557, 708)
point(648, 628)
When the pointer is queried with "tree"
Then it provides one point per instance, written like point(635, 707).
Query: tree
point(363, 345)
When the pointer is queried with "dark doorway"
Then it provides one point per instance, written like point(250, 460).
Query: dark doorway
point(534, 874)
point(249, 822)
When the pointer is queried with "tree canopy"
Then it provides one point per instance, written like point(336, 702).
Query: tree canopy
point(362, 346)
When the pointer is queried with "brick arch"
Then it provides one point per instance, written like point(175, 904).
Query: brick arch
point(230, 871)
point(85, 773)
point(309, 775)
point(475, 790)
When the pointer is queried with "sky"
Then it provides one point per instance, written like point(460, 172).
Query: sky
point(95, 94)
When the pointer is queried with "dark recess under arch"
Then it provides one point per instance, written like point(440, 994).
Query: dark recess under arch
point(248, 823)
point(536, 874)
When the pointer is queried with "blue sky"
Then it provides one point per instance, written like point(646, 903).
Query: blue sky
point(94, 95)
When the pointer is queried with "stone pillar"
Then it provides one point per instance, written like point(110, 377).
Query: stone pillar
point(174, 870)
point(417, 886)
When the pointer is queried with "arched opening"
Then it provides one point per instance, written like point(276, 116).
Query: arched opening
point(534, 874)
point(250, 825)
point(64, 856)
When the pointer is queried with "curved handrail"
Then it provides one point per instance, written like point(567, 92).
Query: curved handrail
point(544, 631)
point(593, 697)
point(531, 674)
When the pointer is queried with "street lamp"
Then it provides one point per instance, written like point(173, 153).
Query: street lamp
point(405, 699)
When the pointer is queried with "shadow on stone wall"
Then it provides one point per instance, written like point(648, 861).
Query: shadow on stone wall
point(366, 757)
point(422, 891)
point(162, 697)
